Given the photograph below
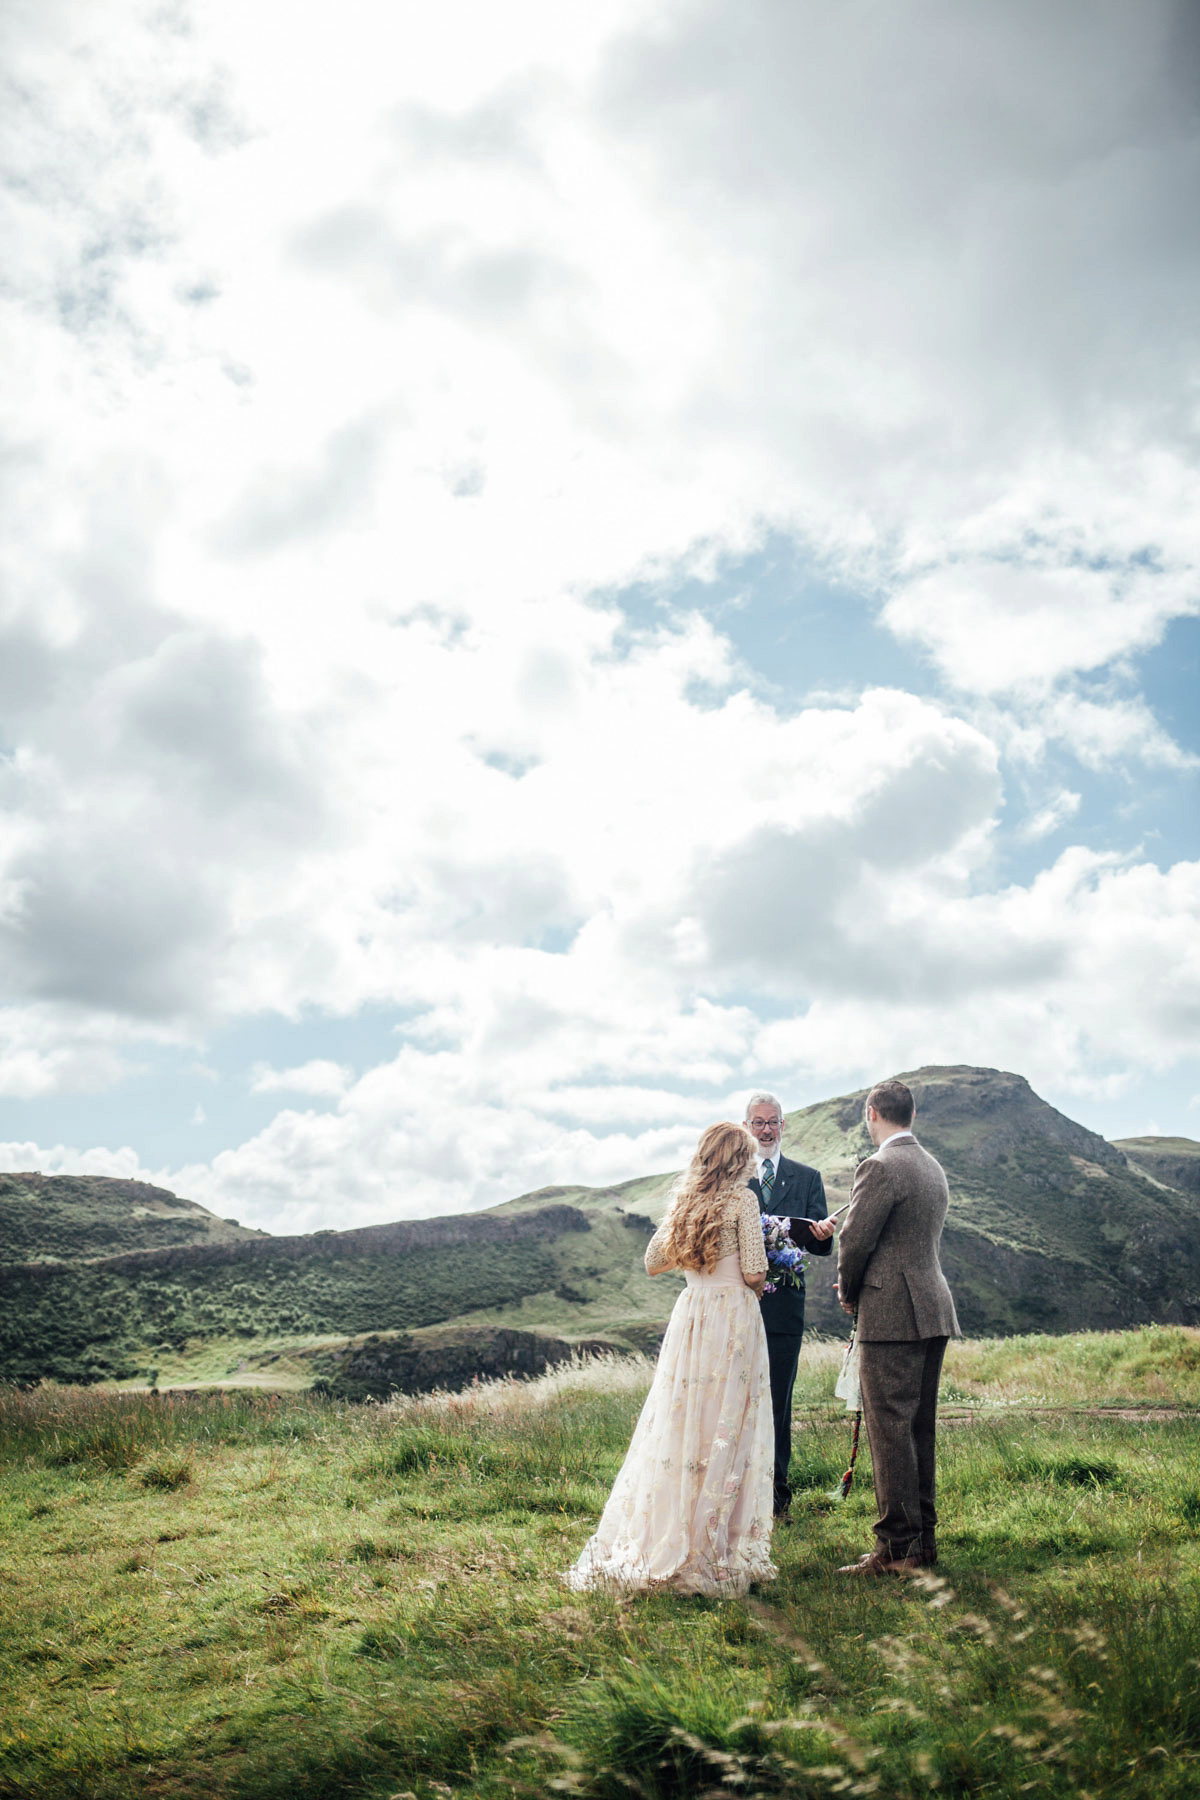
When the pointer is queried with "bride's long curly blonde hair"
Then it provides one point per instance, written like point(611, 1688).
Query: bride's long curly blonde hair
point(723, 1160)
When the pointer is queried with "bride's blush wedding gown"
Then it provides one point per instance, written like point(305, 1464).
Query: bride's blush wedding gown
point(691, 1507)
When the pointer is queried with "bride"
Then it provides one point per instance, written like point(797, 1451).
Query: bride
point(691, 1507)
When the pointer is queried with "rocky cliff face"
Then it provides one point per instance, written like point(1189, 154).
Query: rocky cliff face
point(383, 1366)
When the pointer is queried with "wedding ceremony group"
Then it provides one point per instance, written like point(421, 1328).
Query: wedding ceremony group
point(705, 1481)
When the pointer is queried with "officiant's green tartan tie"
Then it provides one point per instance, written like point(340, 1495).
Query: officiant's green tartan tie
point(768, 1181)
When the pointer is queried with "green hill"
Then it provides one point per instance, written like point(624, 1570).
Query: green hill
point(64, 1218)
point(117, 1317)
point(1051, 1228)
point(1173, 1161)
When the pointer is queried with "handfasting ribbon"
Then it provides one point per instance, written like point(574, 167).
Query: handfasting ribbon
point(848, 1477)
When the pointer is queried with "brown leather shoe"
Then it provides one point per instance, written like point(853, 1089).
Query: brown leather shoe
point(876, 1563)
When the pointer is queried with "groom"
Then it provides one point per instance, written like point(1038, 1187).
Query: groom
point(795, 1192)
point(890, 1272)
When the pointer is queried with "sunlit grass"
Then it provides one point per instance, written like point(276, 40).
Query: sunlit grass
point(247, 1595)
point(1153, 1366)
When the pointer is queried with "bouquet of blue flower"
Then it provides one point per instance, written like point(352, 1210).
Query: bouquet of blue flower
point(785, 1260)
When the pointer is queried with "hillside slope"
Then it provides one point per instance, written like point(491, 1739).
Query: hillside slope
point(1174, 1161)
point(1050, 1229)
point(120, 1317)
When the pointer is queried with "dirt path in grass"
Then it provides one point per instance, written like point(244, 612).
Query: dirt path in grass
point(1135, 1414)
point(961, 1415)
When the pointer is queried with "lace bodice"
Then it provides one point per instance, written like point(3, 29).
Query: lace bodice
point(741, 1235)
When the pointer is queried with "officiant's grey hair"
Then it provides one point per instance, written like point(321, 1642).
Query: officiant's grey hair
point(763, 1100)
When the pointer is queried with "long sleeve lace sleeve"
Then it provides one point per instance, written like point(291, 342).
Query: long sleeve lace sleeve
point(658, 1258)
point(749, 1235)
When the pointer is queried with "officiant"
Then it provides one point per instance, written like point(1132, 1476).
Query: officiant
point(795, 1192)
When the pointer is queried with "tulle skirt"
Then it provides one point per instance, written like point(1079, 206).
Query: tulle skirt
point(691, 1507)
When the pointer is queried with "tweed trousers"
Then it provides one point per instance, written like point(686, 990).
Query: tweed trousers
point(899, 1383)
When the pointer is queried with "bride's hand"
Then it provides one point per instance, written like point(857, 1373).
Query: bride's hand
point(755, 1283)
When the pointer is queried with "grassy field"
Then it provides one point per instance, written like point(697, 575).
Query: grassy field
point(260, 1595)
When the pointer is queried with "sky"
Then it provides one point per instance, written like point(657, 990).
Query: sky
point(562, 563)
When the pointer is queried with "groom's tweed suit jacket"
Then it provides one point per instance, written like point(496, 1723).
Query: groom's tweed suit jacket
point(888, 1263)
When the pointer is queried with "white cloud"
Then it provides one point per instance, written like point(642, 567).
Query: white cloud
point(1089, 970)
point(47, 1050)
point(61, 1159)
point(1114, 730)
point(1090, 966)
point(341, 390)
point(1051, 817)
point(396, 1166)
point(1009, 625)
point(320, 1076)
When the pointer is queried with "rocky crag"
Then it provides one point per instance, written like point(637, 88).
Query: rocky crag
point(1051, 1228)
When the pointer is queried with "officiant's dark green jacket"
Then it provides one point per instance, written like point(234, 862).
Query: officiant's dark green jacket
point(798, 1195)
